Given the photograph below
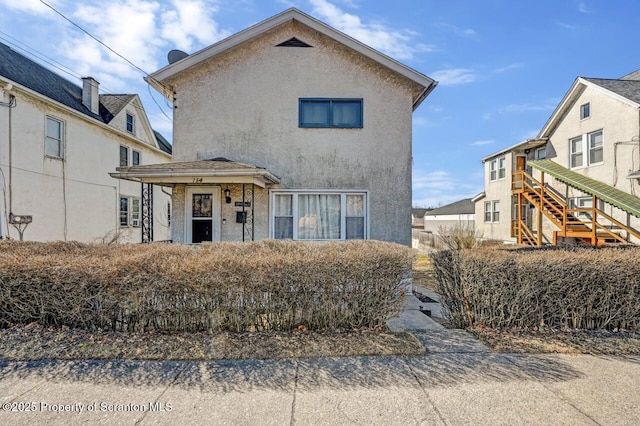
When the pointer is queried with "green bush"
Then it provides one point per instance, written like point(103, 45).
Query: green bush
point(267, 285)
point(586, 288)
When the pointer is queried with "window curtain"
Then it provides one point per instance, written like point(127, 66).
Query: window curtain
point(318, 217)
point(283, 217)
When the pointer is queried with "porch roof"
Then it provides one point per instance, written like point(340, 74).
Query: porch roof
point(620, 199)
point(217, 170)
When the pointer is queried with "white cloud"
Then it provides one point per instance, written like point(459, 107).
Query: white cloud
point(437, 180)
point(485, 142)
point(462, 32)
point(398, 44)
point(583, 8)
point(548, 105)
point(31, 6)
point(454, 76)
point(509, 67)
point(190, 21)
point(565, 25)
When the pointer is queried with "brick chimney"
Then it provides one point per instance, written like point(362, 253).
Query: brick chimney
point(90, 94)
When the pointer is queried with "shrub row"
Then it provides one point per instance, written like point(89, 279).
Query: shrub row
point(268, 285)
point(586, 288)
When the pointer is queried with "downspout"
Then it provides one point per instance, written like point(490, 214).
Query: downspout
point(11, 104)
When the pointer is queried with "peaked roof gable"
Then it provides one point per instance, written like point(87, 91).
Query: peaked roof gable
point(625, 90)
point(465, 206)
point(282, 18)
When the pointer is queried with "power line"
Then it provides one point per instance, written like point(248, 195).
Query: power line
point(110, 49)
point(29, 51)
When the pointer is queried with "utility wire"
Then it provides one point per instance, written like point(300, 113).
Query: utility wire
point(110, 49)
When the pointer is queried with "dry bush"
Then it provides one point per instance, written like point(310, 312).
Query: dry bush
point(586, 288)
point(458, 237)
point(267, 285)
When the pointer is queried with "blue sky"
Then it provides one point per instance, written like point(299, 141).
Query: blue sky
point(503, 65)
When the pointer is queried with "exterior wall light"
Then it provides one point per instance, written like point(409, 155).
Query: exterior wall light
point(227, 195)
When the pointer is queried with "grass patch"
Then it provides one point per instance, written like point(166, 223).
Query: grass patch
point(34, 342)
point(598, 342)
point(423, 272)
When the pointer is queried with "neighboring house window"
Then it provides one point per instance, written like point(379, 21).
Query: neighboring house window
point(341, 113)
point(319, 216)
point(575, 150)
point(135, 158)
point(135, 212)
point(591, 144)
point(541, 153)
point(129, 211)
point(584, 203)
point(492, 211)
point(124, 156)
point(585, 111)
point(595, 147)
point(131, 123)
point(497, 169)
point(53, 146)
point(124, 211)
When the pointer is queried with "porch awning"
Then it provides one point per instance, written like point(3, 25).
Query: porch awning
point(217, 170)
point(620, 199)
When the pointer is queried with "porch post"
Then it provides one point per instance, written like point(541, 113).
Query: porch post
point(147, 213)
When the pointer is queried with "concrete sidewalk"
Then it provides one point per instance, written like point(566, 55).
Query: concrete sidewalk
point(459, 381)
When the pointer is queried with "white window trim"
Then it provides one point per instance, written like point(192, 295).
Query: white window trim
point(587, 104)
point(343, 207)
point(133, 122)
point(128, 154)
point(491, 211)
point(63, 129)
point(130, 220)
point(586, 150)
point(535, 154)
point(139, 157)
point(494, 166)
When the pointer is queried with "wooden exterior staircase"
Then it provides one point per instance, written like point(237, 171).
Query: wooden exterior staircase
point(587, 225)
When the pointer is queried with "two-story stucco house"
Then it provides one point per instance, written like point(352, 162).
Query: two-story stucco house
point(58, 143)
point(578, 181)
point(289, 129)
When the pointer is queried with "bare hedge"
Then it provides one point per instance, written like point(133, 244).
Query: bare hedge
point(585, 288)
point(268, 285)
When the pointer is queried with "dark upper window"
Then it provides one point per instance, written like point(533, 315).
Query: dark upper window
point(585, 111)
point(341, 113)
point(135, 158)
point(124, 156)
point(130, 123)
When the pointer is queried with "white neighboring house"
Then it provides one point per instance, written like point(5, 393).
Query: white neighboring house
point(58, 142)
point(461, 213)
point(579, 180)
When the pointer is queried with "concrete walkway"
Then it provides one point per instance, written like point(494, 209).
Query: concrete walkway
point(459, 381)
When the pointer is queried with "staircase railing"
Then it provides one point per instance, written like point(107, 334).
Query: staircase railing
point(568, 220)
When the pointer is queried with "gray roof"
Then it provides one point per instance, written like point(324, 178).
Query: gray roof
point(419, 212)
point(25, 72)
point(163, 143)
point(465, 206)
point(115, 103)
point(629, 89)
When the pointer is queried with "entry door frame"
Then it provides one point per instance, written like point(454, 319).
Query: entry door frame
point(215, 211)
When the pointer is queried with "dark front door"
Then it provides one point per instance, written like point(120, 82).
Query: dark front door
point(201, 230)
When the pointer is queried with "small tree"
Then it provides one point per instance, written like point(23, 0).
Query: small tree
point(458, 237)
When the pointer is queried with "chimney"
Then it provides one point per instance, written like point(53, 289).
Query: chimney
point(90, 94)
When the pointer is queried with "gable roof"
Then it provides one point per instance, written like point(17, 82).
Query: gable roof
point(115, 103)
point(27, 73)
point(465, 206)
point(282, 18)
point(625, 89)
point(527, 144)
point(419, 212)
